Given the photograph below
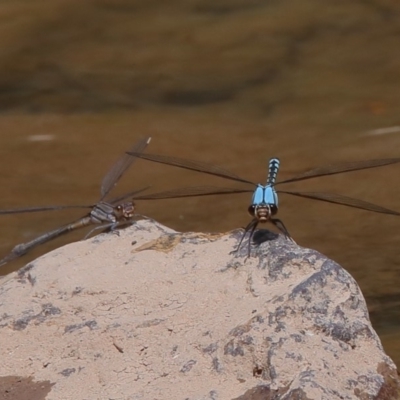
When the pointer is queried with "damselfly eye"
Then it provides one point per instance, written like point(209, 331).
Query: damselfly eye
point(252, 210)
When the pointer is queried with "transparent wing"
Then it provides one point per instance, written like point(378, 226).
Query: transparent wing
point(343, 200)
point(341, 168)
point(197, 166)
point(39, 209)
point(130, 195)
point(192, 192)
point(119, 168)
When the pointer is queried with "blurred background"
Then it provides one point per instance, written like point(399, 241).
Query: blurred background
point(228, 82)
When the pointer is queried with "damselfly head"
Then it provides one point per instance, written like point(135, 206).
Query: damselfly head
point(124, 210)
point(263, 212)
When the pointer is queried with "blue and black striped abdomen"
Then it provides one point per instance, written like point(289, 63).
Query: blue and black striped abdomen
point(273, 171)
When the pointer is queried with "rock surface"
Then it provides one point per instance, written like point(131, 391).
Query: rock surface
point(155, 314)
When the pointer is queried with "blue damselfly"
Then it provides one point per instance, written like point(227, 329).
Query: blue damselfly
point(264, 205)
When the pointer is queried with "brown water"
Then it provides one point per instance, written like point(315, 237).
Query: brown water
point(228, 82)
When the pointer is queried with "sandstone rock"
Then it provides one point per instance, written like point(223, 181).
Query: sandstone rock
point(175, 316)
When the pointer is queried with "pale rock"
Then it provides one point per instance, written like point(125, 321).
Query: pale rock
point(176, 316)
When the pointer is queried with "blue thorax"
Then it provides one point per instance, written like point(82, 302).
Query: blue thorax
point(265, 195)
